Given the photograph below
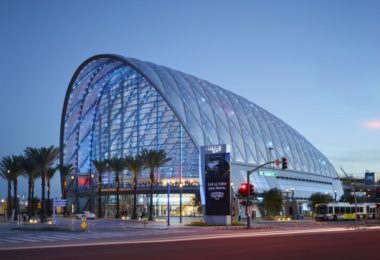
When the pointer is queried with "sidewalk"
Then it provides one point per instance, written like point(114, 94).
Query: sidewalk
point(74, 225)
point(109, 225)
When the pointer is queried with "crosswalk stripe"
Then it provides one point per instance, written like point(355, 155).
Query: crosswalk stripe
point(103, 235)
point(25, 239)
point(10, 241)
point(44, 238)
point(68, 237)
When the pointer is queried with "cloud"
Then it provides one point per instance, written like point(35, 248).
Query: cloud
point(372, 124)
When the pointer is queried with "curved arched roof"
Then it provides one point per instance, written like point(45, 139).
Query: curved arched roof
point(213, 115)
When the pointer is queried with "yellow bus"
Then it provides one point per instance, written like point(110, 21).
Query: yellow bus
point(345, 211)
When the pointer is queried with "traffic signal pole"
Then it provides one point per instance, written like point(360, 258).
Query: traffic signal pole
point(248, 191)
point(284, 166)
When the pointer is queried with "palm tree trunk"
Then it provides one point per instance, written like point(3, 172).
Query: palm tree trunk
point(15, 202)
point(48, 197)
point(64, 195)
point(134, 216)
point(117, 196)
point(100, 196)
point(30, 197)
point(43, 184)
point(9, 206)
point(151, 195)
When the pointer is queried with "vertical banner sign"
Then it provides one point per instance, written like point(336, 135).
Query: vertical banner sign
point(217, 180)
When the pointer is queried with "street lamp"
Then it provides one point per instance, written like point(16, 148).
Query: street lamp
point(335, 195)
point(232, 208)
point(293, 207)
point(287, 194)
point(180, 202)
point(75, 190)
point(168, 185)
point(91, 190)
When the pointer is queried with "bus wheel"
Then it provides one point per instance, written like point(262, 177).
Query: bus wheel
point(335, 218)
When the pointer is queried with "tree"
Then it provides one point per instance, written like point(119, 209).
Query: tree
point(49, 175)
point(134, 165)
point(31, 171)
point(100, 167)
point(272, 202)
point(153, 159)
point(117, 165)
point(15, 171)
point(5, 172)
point(65, 170)
point(351, 199)
point(44, 158)
point(319, 197)
point(196, 200)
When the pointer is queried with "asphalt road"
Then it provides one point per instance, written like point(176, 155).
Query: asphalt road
point(359, 244)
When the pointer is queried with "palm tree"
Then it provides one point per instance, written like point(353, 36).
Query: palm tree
point(49, 174)
point(31, 171)
point(153, 159)
point(5, 173)
point(134, 165)
point(44, 158)
point(117, 165)
point(101, 167)
point(16, 169)
point(65, 170)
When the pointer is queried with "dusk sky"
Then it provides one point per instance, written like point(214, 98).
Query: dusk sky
point(314, 64)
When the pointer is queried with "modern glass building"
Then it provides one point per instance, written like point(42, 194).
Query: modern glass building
point(116, 106)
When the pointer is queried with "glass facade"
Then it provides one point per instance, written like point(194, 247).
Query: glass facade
point(117, 112)
point(116, 106)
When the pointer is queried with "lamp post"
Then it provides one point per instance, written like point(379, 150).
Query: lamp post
point(180, 202)
point(91, 190)
point(75, 190)
point(168, 185)
point(231, 200)
point(294, 209)
point(335, 195)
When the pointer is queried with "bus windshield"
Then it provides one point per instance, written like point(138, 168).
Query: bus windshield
point(321, 209)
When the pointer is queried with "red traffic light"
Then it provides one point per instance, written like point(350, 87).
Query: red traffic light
point(284, 163)
point(276, 163)
point(243, 190)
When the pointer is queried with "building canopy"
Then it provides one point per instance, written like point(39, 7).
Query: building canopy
point(206, 114)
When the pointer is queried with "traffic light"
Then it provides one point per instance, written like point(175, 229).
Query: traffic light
point(243, 190)
point(276, 163)
point(284, 163)
point(250, 189)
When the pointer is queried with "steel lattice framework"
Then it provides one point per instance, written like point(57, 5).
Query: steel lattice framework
point(115, 106)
